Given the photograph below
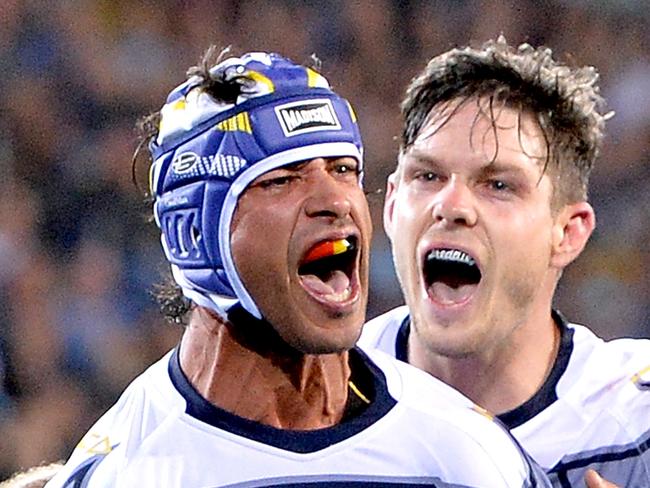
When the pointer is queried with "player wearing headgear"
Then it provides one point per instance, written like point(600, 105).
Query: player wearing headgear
point(256, 177)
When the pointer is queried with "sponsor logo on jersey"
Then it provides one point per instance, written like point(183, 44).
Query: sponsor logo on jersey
point(307, 116)
point(225, 165)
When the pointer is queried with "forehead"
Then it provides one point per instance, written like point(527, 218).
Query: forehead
point(480, 131)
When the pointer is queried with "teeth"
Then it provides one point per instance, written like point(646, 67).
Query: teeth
point(340, 297)
point(453, 255)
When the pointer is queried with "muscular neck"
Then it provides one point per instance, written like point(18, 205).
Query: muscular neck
point(500, 379)
point(249, 371)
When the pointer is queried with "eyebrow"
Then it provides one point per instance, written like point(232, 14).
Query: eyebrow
point(420, 157)
point(495, 166)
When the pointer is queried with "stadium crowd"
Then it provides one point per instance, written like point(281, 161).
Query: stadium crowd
point(77, 251)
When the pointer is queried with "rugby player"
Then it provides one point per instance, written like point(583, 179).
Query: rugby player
point(487, 206)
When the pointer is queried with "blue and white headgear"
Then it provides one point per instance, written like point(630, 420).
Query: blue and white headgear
point(207, 152)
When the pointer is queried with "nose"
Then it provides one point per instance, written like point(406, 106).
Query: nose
point(454, 204)
point(328, 197)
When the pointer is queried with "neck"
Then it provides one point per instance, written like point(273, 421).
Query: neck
point(504, 378)
point(249, 371)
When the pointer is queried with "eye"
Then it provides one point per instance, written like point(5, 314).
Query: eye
point(346, 167)
point(276, 181)
point(428, 176)
point(499, 185)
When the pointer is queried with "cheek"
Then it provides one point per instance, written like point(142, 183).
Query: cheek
point(526, 243)
point(256, 244)
point(407, 229)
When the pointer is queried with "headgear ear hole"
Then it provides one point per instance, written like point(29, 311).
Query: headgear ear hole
point(195, 234)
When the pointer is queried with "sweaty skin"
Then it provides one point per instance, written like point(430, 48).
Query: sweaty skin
point(274, 386)
point(460, 188)
point(291, 370)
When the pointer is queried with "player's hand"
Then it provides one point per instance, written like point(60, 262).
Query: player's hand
point(594, 480)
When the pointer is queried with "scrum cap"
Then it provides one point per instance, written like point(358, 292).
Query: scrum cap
point(207, 152)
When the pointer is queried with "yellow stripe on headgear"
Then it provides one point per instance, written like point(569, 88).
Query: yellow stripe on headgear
point(239, 122)
point(260, 78)
point(315, 79)
point(352, 114)
point(176, 106)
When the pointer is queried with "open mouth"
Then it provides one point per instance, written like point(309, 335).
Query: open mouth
point(328, 270)
point(451, 275)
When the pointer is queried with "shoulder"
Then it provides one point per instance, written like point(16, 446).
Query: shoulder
point(609, 375)
point(457, 431)
point(121, 429)
point(381, 332)
point(600, 416)
point(606, 366)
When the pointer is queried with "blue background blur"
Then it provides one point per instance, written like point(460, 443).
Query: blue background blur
point(77, 255)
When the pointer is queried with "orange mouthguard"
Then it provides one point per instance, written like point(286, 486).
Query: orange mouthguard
point(327, 248)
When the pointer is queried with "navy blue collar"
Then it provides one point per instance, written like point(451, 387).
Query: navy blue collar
point(364, 372)
point(544, 397)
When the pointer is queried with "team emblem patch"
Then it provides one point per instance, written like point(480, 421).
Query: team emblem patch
point(307, 116)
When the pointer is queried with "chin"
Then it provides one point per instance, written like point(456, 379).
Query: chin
point(453, 345)
point(328, 343)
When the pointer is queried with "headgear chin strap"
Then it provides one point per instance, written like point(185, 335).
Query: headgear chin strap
point(208, 152)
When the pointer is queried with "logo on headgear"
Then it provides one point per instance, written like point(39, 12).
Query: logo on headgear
point(184, 162)
point(307, 116)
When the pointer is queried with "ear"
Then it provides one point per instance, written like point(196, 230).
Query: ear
point(573, 226)
point(389, 205)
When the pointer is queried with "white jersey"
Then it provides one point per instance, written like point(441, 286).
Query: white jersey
point(592, 412)
point(414, 432)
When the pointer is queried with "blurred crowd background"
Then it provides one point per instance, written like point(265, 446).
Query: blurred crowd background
point(78, 256)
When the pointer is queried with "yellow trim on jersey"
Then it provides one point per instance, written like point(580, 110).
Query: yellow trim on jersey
point(260, 78)
point(239, 122)
point(356, 391)
point(95, 444)
point(639, 376)
point(483, 412)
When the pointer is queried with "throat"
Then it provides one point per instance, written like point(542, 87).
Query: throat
point(274, 386)
point(310, 395)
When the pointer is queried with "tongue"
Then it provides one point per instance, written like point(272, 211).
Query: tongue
point(447, 294)
point(335, 283)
